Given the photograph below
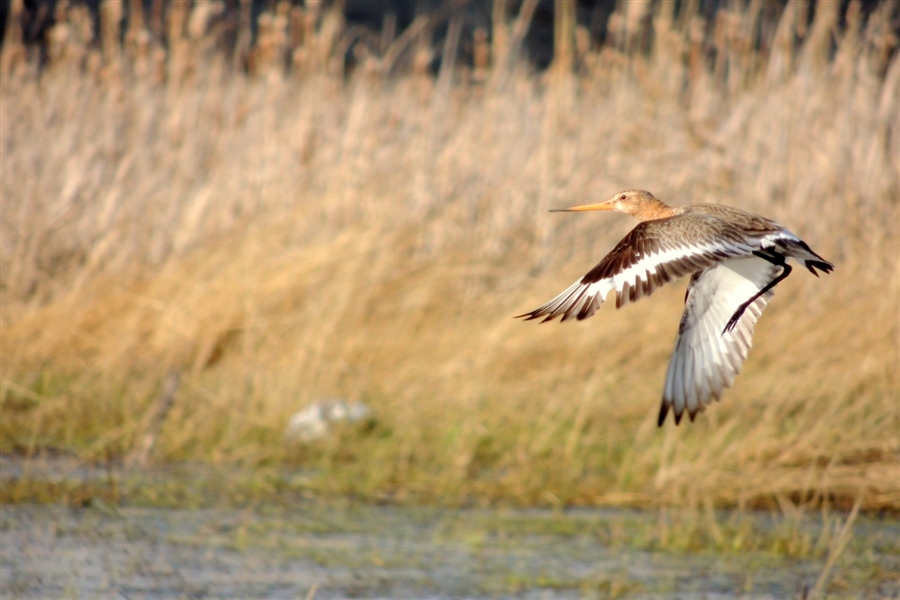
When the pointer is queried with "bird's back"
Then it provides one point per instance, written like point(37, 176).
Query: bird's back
point(746, 221)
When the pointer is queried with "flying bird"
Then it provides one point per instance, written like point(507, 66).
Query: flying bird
point(734, 258)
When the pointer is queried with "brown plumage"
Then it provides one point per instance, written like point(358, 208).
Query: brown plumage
point(734, 258)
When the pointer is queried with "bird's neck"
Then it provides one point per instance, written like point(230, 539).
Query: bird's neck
point(652, 211)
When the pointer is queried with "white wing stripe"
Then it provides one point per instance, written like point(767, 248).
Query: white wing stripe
point(576, 299)
point(651, 262)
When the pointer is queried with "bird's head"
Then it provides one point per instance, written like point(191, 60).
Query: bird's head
point(638, 203)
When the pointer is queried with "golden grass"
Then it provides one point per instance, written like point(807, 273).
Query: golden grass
point(283, 235)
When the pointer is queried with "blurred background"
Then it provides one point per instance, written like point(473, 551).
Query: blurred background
point(218, 215)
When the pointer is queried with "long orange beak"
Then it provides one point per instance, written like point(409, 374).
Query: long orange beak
point(582, 207)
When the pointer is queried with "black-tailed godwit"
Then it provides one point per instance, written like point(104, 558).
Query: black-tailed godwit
point(734, 258)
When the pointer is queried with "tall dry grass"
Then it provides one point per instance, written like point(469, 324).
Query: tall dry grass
point(279, 230)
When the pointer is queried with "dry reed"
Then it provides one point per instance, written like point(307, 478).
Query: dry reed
point(284, 230)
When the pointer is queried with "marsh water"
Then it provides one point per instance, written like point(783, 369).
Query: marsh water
point(312, 548)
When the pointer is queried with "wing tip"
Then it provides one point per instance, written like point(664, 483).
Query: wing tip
point(537, 314)
point(663, 412)
point(677, 415)
point(529, 316)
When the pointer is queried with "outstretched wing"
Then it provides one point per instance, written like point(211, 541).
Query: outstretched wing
point(706, 358)
point(651, 255)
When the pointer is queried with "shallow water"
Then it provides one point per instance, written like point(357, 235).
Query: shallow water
point(310, 548)
point(366, 551)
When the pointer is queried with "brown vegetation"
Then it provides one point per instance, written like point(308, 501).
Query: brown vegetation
point(287, 231)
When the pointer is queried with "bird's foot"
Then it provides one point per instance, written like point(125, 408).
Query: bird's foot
point(733, 321)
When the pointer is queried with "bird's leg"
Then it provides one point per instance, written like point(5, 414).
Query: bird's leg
point(775, 259)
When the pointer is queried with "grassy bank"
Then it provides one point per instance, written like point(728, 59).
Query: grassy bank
point(281, 234)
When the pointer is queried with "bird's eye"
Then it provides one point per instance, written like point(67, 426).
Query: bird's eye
point(622, 197)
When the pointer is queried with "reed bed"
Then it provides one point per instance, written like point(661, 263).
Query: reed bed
point(278, 228)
